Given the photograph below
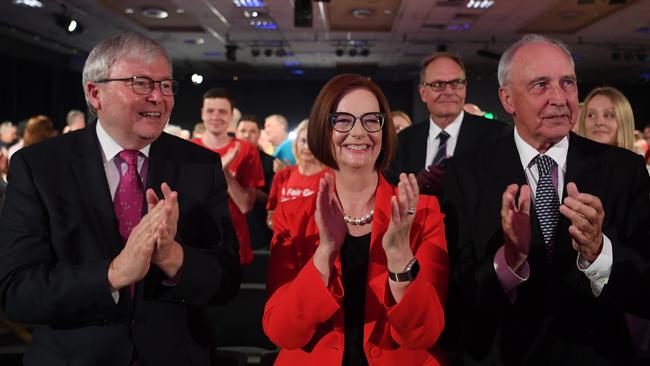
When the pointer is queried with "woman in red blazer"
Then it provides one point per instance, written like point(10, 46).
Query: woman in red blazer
point(358, 273)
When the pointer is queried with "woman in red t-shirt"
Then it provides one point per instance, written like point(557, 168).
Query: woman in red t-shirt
point(300, 180)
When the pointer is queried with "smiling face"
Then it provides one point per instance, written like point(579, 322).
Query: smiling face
point(444, 106)
point(541, 94)
point(600, 120)
point(216, 114)
point(357, 148)
point(133, 120)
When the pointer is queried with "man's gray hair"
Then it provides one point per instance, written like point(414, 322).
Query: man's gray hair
point(506, 58)
point(103, 56)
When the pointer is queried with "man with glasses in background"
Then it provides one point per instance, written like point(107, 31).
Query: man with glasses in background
point(423, 148)
point(114, 236)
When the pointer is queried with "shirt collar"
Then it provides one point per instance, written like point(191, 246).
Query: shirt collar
point(452, 129)
point(110, 147)
point(558, 152)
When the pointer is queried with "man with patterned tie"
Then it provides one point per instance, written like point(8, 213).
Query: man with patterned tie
point(115, 236)
point(549, 231)
point(423, 148)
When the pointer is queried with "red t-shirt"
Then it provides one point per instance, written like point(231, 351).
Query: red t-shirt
point(247, 169)
point(288, 184)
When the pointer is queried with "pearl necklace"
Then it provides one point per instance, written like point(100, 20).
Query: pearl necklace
point(359, 220)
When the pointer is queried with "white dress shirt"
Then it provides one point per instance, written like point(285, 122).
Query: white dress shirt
point(433, 142)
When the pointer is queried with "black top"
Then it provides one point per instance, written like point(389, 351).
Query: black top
point(354, 268)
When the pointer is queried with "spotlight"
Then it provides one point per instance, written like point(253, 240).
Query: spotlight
point(231, 52)
point(255, 52)
point(280, 52)
point(69, 24)
point(339, 52)
point(365, 52)
point(268, 52)
point(196, 79)
point(352, 52)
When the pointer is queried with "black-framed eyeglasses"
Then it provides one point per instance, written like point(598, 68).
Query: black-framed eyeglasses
point(440, 85)
point(143, 85)
point(344, 122)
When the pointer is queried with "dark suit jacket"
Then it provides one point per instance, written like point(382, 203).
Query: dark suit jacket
point(412, 143)
point(59, 233)
point(555, 319)
point(260, 232)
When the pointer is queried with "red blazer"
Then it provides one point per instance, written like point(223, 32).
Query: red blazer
point(305, 318)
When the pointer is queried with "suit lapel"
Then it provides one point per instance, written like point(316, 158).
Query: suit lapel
point(418, 159)
point(467, 136)
point(160, 167)
point(90, 179)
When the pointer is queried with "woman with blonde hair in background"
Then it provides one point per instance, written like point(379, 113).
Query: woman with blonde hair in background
point(606, 117)
point(300, 180)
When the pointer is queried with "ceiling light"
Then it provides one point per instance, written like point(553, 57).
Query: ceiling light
point(155, 13)
point(255, 52)
point(362, 13)
point(249, 3)
point(196, 79)
point(480, 4)
point(268, 52)
point(129, 11)
point(69, 24)
point(180, 11)
point(365, 52)
point(352, 52)
point(339, 52)
point(298, 72)
point(28, 3)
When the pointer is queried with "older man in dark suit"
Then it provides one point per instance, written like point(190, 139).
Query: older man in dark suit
point(423, 147)
point(115, 235)
point(548, 232)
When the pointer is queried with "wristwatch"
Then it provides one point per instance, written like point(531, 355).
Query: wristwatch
point(409, 274)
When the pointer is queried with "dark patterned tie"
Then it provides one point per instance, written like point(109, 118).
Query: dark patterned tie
point(441, 154)
point(129, 197)
point(547, 203)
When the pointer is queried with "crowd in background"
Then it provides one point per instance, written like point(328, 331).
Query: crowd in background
point(351, 176)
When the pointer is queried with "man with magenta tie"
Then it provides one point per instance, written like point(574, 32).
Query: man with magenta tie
point(113, 237)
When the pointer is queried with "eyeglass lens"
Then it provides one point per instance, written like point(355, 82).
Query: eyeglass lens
point(144, 85)
point(440, 85)
point(344, 122)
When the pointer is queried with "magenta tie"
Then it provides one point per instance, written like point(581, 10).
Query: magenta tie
point(129, 197)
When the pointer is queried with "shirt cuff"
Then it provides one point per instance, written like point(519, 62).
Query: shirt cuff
point(116, 296)
point(174, 280)
point(509, 279)
point(599, 270)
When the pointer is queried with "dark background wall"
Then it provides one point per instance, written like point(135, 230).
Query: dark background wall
point(42, 81)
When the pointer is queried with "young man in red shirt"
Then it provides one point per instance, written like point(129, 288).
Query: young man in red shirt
point(240, 160)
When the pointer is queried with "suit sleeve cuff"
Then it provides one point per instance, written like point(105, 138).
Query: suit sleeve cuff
point(508, 278)
point(599, 270)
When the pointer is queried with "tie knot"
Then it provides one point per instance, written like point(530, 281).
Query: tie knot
point(443, 136)
point(130, 157)
point(545, 165)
